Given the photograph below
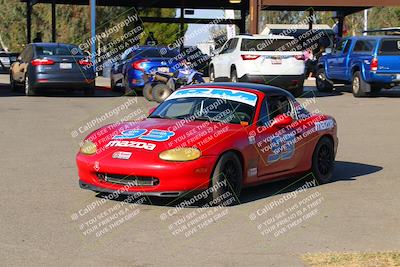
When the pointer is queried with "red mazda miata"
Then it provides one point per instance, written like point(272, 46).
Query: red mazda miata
point(217, 137)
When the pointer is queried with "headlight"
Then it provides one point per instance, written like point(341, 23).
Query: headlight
point(180, 154)
point(88, 148)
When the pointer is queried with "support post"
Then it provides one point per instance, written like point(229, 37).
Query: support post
point(254, 9)
point(53, 21)
point(93, 31)
point(242, 25)
point(182, 25)
point(311, 20)
point(340, 25)
point(28, 21)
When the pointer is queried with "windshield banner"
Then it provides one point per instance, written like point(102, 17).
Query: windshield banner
point(234, 95)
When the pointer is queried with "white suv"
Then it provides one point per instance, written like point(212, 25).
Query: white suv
point(269, 59)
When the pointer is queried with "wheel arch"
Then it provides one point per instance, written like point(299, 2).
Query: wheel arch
point(238, 154)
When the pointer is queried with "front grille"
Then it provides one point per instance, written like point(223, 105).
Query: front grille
point(128, 180)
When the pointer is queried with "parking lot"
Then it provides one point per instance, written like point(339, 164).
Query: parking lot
point(46, 216)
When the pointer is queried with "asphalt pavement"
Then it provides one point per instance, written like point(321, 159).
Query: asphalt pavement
point(46, 219)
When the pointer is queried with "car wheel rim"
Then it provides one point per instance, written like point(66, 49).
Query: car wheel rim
point(324, 160)
point(231, 173)
point(320, 79)
point(356, 84)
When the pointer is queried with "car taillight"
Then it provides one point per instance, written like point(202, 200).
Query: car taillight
point(38, 62)
point(249, 57)
point(138, 64)
point(84, 62)
point(374, 64)
point(300, 57)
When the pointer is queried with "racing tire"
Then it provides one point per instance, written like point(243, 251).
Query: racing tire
point(90, 90)
point(161, 92)
point(323, 160)
point(227, 180)
point(147, 92)
point(322, 83)
point(212, 74)
point(359, 87)
point(29, 90)
point(234, 77)
point(298, 91)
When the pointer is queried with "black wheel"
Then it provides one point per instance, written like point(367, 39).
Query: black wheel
point(298, 91)
point(323, 84)
point(147, 92)
point(212, 73)
point(13, 85)
point(227, 179)
point(29, 90)
point(161, 92)
point(323, 160)
point(359, 86)
point(90, 90)
point(234, 77)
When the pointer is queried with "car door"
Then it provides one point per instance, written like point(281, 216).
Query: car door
point(229, 57)
point(277, 147)
point(342, 61)
point(336, 57)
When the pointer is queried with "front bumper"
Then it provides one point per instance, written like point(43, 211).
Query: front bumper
point(285, 81)
point(174, 178)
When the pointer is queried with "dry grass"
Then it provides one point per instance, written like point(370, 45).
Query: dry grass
point(367, 259)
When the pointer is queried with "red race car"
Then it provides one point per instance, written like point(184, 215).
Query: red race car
point(214, 138)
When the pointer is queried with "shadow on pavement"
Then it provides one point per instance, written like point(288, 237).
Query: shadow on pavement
point(311, 91)
point(344, 171)
point(5, 91)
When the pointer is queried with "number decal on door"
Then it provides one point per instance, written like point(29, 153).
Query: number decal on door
point(282, 147)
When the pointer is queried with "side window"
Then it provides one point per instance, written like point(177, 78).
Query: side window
point(278, 105)
point(347, 47)
point(232, 45)
point(29, 54)
point(364, 46)
point(226, 47)
point(339, 46)
point(274, 106)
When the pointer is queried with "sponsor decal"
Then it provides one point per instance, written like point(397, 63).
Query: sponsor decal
point(154, 135)
point(324, 125)
point(252, 140)
point(122, 155)
point(133, 144)
point(234, 95)
point(252, 172)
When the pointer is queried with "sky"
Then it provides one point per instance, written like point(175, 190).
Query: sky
point(201, 28)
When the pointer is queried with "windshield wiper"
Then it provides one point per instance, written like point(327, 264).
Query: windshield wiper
point(158, 116)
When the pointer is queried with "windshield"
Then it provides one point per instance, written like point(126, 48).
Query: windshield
point(390, 47)
point(57, 50)
point(202, 108)
point(155, 52)
point(268, 44)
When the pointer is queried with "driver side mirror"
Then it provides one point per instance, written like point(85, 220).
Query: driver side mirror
point(282, 121)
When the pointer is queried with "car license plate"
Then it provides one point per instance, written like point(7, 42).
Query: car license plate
point(276, 61)
point(122, 155)
point(65, 65)
point(163, 69)
point(398, 77)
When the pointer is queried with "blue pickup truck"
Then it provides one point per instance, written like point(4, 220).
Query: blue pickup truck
point(368, 63)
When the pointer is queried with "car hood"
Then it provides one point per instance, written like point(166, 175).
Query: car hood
point(156, 135)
